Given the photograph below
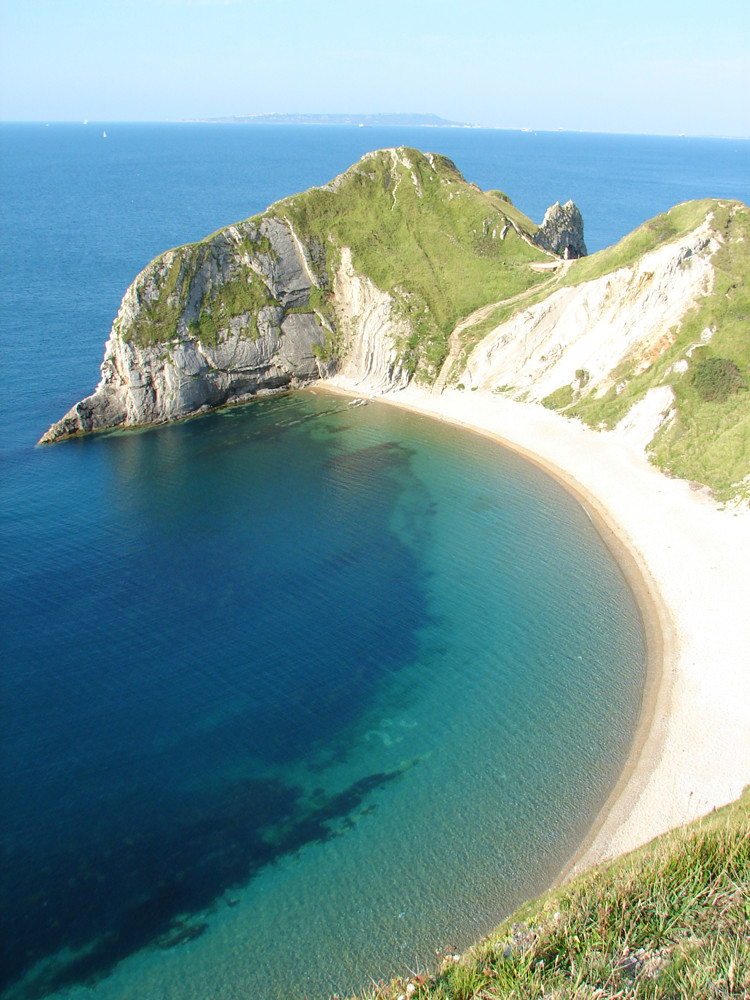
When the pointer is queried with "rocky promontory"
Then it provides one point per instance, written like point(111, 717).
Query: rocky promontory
point(330, 280)
point(399, 270)
point(206, 325)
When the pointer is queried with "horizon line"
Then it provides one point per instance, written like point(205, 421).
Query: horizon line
point(239, 120)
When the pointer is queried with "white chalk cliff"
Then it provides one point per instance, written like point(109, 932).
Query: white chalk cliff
point(596, 325)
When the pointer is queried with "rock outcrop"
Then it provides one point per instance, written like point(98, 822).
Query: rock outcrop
point(561, 231)
point(207, 354)
point(371, 331)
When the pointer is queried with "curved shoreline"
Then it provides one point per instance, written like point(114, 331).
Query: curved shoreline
point(682, 558)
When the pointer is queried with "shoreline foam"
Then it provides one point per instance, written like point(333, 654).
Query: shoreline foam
point(687, 564)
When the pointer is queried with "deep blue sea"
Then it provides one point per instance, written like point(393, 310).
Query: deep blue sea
point(298, 694)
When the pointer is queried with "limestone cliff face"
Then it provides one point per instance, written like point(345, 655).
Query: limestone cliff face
point(277, 301)
point(266, 346)
point(257, 351)
point(281, 300)
point(370, 330)
point(275, 342)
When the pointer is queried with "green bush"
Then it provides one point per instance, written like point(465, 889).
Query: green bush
point(716, 379)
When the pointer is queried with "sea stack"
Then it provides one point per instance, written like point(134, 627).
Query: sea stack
point(561, 232)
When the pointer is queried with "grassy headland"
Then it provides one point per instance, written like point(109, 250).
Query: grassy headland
point(705, 358)
point(440, 246)
point(671, 920)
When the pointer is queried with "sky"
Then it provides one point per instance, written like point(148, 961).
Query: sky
point(643, 66)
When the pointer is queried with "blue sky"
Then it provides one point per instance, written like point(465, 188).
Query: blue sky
point(655, 67)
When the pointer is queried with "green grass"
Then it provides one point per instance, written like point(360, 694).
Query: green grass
point(474, 334)
point(664, 228)
point(158, 317)
point(677, 222)
point(433, 241)
point(560, 398)
point(425, 236)
point(246, 293)
point(709, 440)
point(171, 279)
point(671, 920)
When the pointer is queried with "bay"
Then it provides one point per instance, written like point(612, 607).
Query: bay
point(301, 689)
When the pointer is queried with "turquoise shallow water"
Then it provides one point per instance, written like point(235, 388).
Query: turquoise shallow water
point(335, 687)
point(301, 692)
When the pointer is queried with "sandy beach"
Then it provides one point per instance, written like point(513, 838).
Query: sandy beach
point(688, 563)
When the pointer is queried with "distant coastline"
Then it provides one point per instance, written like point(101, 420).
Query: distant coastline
point(365, 120)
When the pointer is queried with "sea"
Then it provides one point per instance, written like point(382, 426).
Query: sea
point(300, 695)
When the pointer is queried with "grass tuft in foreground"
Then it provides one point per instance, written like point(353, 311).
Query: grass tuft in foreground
point(671, 920)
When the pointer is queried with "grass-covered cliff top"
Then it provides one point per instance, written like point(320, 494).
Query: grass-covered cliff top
point(671, 920)
point(417, 229)
point(664, 228)
point(445, 250)
point(705, 358)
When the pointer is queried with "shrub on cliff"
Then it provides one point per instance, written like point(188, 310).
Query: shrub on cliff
point(716, 379)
